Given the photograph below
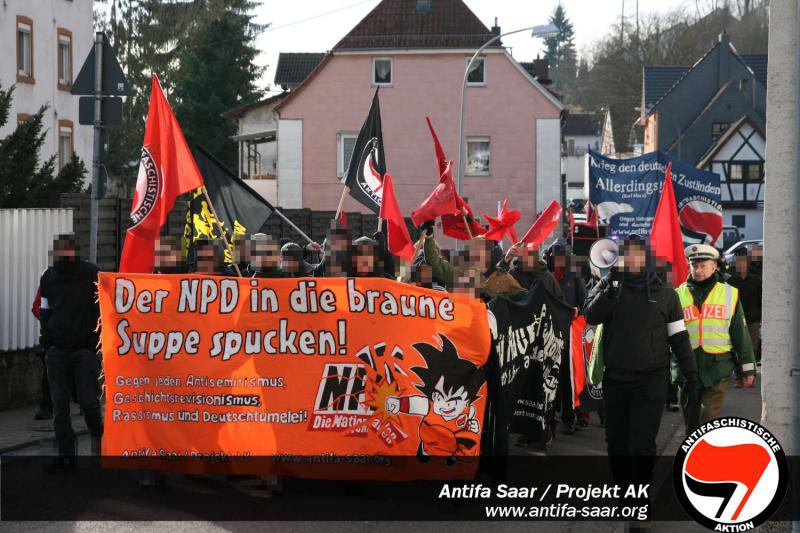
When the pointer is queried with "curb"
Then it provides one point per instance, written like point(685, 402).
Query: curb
point(36, 441)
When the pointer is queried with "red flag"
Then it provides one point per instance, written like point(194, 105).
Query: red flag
point(442, 200)
point(577, 362)
point(166, 171)
point(665, 235)
point(591, 216)
point(544, 225)
point(455, 226)
point(441, 160)
point(397, 238)
point(503, 224)
point(343, 220)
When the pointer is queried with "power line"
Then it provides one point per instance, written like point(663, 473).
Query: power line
point(273, 28)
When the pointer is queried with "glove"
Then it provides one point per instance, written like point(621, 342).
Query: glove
point(692, 388)
point(427, 228)
point(614, 274)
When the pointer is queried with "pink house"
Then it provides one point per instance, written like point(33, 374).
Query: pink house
point(416, 52)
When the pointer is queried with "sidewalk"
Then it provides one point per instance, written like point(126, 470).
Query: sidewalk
point(18, 429)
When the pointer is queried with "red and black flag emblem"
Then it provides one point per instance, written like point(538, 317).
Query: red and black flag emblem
point(368, 162)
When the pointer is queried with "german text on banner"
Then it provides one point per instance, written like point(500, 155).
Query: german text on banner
point(364, 370)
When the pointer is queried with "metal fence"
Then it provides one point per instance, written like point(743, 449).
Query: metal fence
point(26, 236)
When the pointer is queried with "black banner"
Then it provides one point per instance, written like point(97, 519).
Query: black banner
point(241, 209)
point(368, 162)
point(531, 340)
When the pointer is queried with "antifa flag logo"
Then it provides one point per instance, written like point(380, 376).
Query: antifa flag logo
point(369, 178)
point(148, 188)
point(730, 474)
point(701, 222)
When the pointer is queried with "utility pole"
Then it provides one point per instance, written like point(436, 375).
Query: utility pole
point(97, 126)
point(780, 369)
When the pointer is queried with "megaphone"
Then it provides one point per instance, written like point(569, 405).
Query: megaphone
point(603, 255)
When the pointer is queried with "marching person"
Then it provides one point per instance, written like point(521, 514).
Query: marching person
point(718, 332)
point(749, 285)
point(642, 320)
point(524, 265)
point(265, 257)
point(292, 263)
point(69, 315)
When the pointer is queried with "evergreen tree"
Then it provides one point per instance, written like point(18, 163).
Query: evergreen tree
point(21, 184)
point(217, 73)
point(560, 53)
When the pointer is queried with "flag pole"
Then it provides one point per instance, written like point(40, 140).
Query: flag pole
point(222, 230)
point(466, 225)
point(341, 203)
point(292, 225)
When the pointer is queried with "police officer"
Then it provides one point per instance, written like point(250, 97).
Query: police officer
point(717, 330)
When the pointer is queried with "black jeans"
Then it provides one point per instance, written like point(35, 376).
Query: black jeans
point(47, 403)
point(81, 367)
point(564, 394)
point(633, 416)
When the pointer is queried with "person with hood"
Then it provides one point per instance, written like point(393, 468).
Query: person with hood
point(292, 263)
point(337, 254)
point(749, 285)
point(367, 260)
point(642, 320)
point(68, 319)
point(558, 258)
point(718, 333)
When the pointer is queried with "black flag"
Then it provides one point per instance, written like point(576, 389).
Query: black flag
point(241, 209)
point(531, 341)
point(368, 163)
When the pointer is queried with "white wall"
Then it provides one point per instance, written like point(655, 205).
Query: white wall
point(47, 15)
point(290, 164)
point(548, 161)
point(27, 236)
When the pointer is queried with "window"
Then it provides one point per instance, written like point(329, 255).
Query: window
point(476, 75)
point(382, 71)
point(345, 142)
point(745, 171)
point(65, 143)
point(717, 129)
point(24, 50)
point(64, 47)
point(22, 117)
point(478, 156)
point(738, 221)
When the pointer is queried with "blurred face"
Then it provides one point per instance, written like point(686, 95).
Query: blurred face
point(167, 256)
point(364, 261)
point(527, 258)
point(290, 264)
point(206, 260)
point(479, 254)
point(467, 283)
point(634, 258)
point(64, 250)
point(266, 255)
point(742, 265)
point(423, 276)
point(702, 270)
point(560, 262)
point(338, 243)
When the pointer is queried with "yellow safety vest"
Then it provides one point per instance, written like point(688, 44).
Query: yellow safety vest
point(710, 328)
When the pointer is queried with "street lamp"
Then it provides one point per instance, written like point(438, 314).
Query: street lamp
point(544, 31)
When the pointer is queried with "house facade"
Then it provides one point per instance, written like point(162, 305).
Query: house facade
point(43, 45)
point(415, 52)
point(580, 131)
point(712, 115)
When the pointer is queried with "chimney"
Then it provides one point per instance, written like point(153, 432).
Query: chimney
point(542, 69)
point(496, 28)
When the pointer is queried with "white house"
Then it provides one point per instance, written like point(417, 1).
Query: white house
point(43, 45)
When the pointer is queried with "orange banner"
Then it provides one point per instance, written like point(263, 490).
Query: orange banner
point(351, 370)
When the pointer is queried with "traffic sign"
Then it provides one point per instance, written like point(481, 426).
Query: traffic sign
point(114, 81)
point(110, 110)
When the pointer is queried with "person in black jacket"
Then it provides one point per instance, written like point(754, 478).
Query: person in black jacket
point(69, 315)
point(292, 262)
point(749, 285)
point(559, 262)
point(642, 319)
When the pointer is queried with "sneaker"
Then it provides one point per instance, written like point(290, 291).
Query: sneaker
point(43, 414)
point(673, 407)
point(568, 429)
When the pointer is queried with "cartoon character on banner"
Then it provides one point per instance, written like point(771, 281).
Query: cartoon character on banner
point(450, 385)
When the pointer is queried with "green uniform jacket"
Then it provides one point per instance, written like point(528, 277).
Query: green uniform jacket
point(713, 368)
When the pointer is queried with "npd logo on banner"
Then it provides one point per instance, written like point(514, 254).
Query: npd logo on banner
point(730, 474)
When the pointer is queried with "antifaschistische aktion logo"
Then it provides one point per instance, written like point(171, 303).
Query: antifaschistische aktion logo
point(730, 474)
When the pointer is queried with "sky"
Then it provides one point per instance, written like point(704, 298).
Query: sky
point(317, 25)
